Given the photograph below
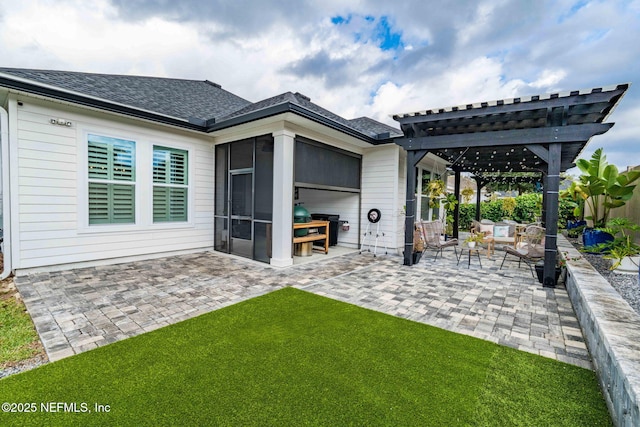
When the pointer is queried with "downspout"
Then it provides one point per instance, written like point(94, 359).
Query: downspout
point(6, 199)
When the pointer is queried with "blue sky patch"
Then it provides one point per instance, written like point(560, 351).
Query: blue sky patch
point(337, 20)
point(573, 10)
point(388, 39)
point(380, 31)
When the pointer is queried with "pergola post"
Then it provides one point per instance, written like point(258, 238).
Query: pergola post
point(479, 185)
point(551, 215)
point(413, 157)
point(545, 186)
point(456, 209)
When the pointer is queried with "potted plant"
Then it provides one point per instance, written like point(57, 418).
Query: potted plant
point(622, 250)
point(561, 264)
point(418, 245)
point(602, 188)
point(435, 189)
point(572, 198)
point(474, 238)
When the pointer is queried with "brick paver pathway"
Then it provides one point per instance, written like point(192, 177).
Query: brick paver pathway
point(81, 309)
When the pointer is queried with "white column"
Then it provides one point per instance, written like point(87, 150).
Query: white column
point(282, 232)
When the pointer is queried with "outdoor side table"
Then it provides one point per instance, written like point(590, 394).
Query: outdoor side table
point(476, 249)
point(491, 245)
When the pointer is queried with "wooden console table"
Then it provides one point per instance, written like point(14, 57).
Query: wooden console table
point(313, 237)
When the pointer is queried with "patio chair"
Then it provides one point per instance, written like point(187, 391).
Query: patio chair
point(432, 232)
point(530, 250)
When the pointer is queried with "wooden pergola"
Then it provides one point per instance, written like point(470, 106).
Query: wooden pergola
point(543, 134)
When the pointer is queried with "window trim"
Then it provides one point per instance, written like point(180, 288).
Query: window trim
point(110, 182)
point(144, 182)
point(186, 186)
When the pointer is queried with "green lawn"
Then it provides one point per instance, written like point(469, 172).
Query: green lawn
point(294, 358)
point(18, 338)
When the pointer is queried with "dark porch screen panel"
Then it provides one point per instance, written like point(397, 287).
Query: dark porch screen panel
point(222, 179)
point(263, 191)
point(324, 165)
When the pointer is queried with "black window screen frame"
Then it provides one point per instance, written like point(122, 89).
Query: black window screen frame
point(327, 166)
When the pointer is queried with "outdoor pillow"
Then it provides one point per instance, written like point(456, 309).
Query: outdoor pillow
point(486, 229)
point(501, 231)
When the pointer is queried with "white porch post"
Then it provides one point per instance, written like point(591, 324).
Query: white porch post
point(282, 198)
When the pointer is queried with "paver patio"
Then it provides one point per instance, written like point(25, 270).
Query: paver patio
point(78, 310)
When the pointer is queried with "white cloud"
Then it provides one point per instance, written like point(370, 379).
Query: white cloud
point(477, 51)
point(548, 79)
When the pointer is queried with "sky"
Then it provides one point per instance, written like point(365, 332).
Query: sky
point(356, 58)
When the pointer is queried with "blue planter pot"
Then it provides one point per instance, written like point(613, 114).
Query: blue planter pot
point(592, 237)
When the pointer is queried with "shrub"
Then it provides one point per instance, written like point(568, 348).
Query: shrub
point(492, 210)
point(527, 207)
point(565, 212)
point(467, 214)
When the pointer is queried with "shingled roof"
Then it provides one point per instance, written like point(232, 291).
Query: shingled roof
point(195, 104)
point(297, 102)
point(178, 98)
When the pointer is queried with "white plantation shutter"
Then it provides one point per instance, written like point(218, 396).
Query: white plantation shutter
point(111, 165)
point(170, 189)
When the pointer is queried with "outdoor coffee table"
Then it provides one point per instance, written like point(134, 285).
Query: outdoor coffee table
point(476, 249)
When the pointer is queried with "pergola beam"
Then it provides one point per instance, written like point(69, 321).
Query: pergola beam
point(518, 137)
point(539, 151)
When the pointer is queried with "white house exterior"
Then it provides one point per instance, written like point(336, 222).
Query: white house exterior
point(103, 169)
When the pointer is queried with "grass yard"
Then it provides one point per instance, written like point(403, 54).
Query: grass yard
point(18, 337)
point(294, 358)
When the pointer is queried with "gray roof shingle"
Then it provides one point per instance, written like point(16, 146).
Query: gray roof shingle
point(364, 125)
point(178, 98)
point(203, 104)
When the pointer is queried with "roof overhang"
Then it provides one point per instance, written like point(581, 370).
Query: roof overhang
point(206, 126)
point(290, 107)
point(53, 92)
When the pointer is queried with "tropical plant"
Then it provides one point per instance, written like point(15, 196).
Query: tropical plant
point(622, 244)
point(573, 197)
point(602, 187)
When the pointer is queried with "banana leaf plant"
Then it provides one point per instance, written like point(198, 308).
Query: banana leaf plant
point(602, 187)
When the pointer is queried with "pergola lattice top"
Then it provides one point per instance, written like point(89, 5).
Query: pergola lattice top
point(504, 135)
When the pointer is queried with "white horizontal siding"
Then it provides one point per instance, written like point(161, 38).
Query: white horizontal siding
point(49, 186)
point(380, 184)
point(334, 203)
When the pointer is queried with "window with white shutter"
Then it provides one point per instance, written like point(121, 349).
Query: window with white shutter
point(170, 184)
point(111, 163)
